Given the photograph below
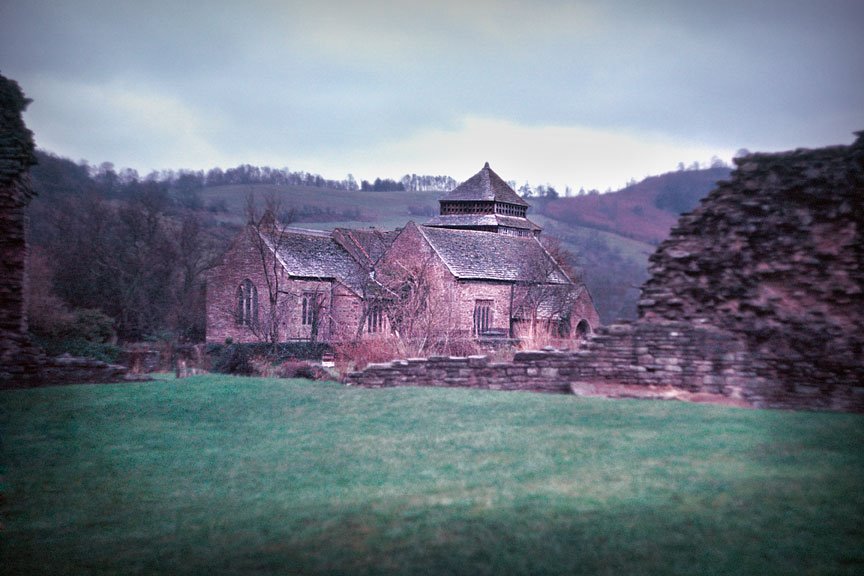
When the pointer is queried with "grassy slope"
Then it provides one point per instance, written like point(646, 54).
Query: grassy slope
point(386, 210)
point(220, 475)
point(633, 211)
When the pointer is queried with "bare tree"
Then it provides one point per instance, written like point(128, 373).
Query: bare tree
point(268, 237)
point(419, 305)
point(547, 293)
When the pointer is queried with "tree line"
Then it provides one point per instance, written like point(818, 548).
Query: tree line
point(114, 180)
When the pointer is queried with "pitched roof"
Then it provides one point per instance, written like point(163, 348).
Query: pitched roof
point(474, 220)
point(485, 185)
point(315, 254)
point(365, 246)
point(473, 255)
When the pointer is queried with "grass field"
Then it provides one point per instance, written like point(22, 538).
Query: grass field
point(384, 210)
point(219, 475)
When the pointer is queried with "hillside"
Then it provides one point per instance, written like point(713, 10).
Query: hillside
point(313, 207)
point(645, 211)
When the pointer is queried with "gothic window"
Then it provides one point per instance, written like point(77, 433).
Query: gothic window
point(246, 311)
point(375, 318)
point(560, 327)
point(482, 316)
point(311, 307)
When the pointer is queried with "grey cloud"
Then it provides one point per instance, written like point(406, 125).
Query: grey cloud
point(303, 78)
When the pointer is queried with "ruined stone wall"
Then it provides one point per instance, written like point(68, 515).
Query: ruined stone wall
point(655, 357)
point(17, 356)
point(776, 256)
point(660, 360)
point(756, 299)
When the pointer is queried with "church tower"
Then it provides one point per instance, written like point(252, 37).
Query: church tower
point(485, 203)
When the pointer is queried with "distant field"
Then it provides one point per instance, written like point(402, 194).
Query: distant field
point(630, 249)
point(219, 475)
point(381, 209)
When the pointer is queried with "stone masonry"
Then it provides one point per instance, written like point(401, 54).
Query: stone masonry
point(17, 355)
point(756, 299)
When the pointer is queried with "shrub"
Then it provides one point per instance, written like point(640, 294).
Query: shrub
point(356, 355)
point(232, 359)
point(301, 369)
point(91, 325)
point(84, 332)
point(54, 346)
point(254, 358)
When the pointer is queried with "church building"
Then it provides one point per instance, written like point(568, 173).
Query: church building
point(478, 270)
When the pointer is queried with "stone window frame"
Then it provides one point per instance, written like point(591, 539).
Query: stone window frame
point(583, 328)
point(483, 316)
point(375, 318)
point(246, 307)
point(561, 326)
point(310, 308)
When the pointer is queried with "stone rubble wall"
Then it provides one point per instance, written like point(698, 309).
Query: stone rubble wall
point(668, 360)
point(18, 357)
point(776, 256)
point(695, 359)
point(756, 299)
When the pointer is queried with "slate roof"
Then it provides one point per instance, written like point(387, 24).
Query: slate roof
point(473, 255)
point(485, 185)
point(474, 220)
point(365, 246)
point(315, 254)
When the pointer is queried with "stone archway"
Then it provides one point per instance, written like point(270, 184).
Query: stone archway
point(583, 329)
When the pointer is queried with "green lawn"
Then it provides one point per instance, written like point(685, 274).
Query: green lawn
point(219, 475)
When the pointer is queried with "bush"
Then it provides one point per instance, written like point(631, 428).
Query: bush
point(91, 325)
point(252, 358)
point(356, 355)
point(88, 333)
point(231, 359)
point(54, 346)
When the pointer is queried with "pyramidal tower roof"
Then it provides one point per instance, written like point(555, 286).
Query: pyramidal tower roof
point(485, 185)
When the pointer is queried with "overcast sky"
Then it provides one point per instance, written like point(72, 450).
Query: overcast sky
point(579, 93)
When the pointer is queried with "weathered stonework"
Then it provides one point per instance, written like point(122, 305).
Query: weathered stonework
point(340, 307)
point(18, 358)
point(756, 299)
point(776, 256)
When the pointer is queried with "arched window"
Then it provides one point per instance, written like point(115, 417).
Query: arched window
point(482, 317)
point(246, 311)
point(375, 318)
point(560, 327)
